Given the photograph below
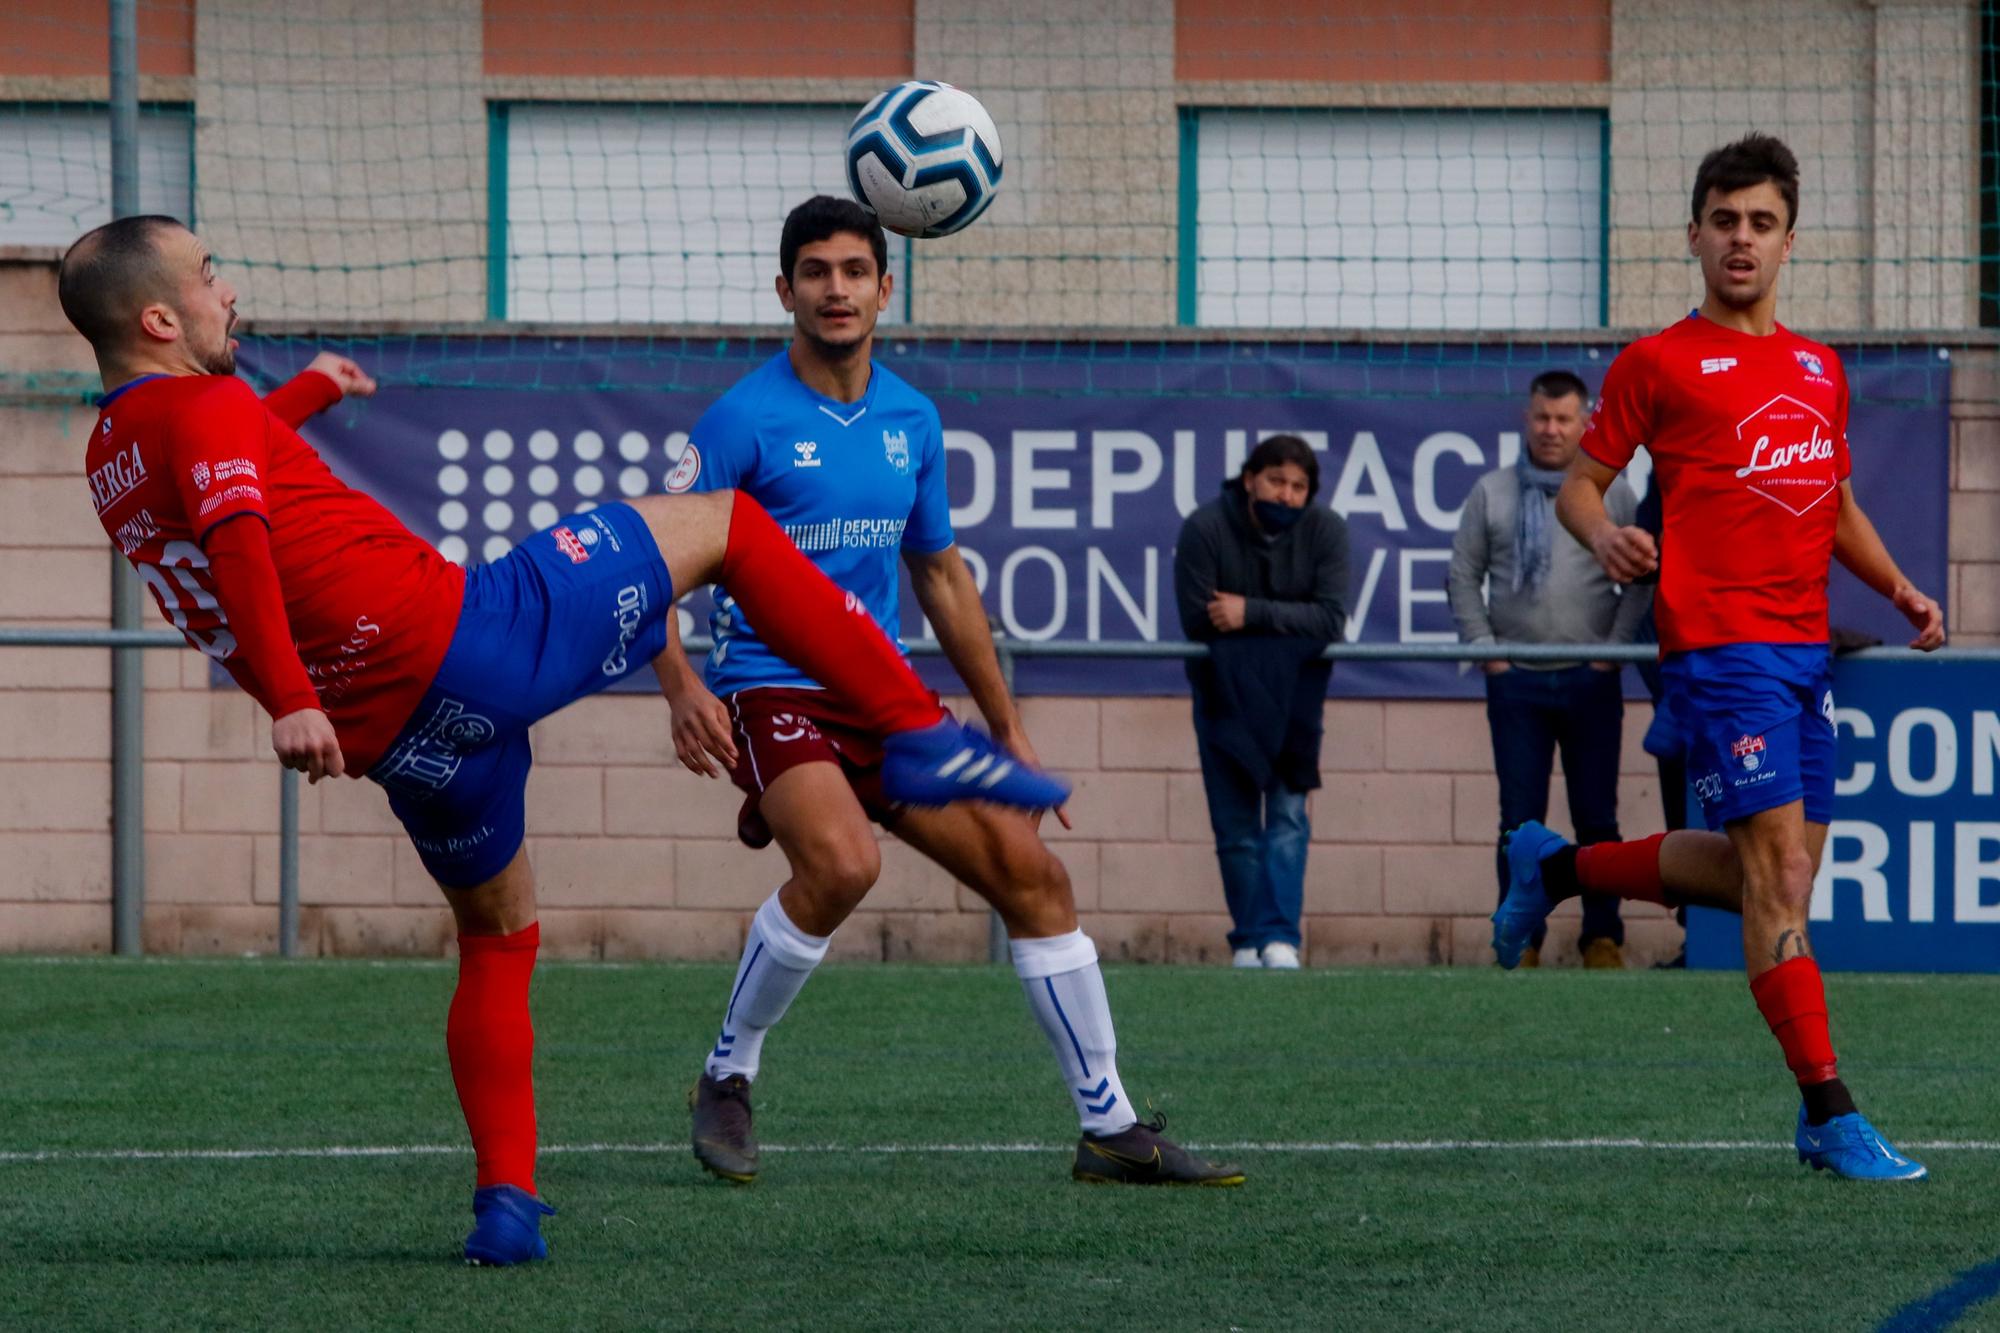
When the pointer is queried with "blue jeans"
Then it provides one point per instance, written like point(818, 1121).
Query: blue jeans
point(1260, 844)
point(1580, 711)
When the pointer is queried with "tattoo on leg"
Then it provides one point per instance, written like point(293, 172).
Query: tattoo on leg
point(1791, 944)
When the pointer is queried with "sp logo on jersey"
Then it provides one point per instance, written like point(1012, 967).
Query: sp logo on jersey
point(1789, 454)
point(896, 448)
point(808, 453)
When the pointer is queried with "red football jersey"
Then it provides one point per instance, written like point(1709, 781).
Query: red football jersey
point(372, 606)
point(1749, 443)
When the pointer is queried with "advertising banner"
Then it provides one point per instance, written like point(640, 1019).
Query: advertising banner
point(1072, 464)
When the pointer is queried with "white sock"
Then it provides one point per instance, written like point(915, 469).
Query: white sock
point(1066, 992)
point(777, 959)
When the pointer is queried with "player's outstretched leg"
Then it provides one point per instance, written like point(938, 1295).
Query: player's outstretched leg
point(1527, 904)
point(929, 758)
point(1000, 856)
point(491, 1042)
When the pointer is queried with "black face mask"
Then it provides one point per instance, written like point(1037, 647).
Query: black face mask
point(1275, 517)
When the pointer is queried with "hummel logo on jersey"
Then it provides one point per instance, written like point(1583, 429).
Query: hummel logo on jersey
point(807, 451)
point(1715, 365)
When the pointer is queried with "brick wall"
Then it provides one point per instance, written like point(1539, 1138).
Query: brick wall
point(637, 858)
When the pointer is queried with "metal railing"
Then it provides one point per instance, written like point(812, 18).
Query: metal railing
point(128, 836)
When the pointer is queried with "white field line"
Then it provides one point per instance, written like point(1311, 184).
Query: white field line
point(956, 1149)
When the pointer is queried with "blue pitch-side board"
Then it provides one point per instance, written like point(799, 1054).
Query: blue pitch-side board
point(1911, 877)
point(1073, 464)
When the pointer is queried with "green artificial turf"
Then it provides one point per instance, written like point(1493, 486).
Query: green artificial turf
point(1535, 1233)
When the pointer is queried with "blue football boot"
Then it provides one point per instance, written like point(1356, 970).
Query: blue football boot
point(507, 1227)
point(1527, 904)
point(950, 761)
point(1850, 1147)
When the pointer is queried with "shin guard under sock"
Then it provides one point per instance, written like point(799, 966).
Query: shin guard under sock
point(491, 1043)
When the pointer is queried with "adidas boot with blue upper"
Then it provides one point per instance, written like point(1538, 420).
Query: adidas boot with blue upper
point(950, 761)
point(506, 1228)
point(1527, 904)
point(1852, 1149)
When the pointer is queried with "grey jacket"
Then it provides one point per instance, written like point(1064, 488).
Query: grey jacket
point(1577, 602)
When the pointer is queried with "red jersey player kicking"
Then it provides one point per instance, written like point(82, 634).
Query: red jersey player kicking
point(373, 655)
point(1747, 425)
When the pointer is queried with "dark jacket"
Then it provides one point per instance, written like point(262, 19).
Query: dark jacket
point(1258, 694)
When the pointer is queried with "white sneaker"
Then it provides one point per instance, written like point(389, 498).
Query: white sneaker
point(1245, 958)
point(1281, 957)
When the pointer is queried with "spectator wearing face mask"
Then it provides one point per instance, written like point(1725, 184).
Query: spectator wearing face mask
point(1260, 575)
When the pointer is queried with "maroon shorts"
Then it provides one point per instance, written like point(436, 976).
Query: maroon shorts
point(777, 729)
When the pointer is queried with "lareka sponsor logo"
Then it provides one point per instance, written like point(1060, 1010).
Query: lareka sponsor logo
point(570, 545)
point(112, 481)
point(1789, 454)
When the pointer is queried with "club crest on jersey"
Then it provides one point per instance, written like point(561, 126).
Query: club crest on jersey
point(808, 453)
point(896, 448)
point(571, 545)
point(1812, 364)
point(1749, 751)
point(686, 469)
point(1788, 451)
point(199, 472)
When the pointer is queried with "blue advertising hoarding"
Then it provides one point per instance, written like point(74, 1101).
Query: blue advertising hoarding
point(1072, 464)
point(1910, 881)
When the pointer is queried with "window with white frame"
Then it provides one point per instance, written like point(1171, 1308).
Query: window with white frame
point(1398, 219)
point(661, 213)
point(55, 169)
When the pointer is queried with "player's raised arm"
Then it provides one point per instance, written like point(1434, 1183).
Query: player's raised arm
point(1859, 547)
point(327, 378)
point(1627, 553)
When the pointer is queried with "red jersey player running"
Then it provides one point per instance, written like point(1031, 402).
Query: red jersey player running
point(373, 655)
point(1747, 425)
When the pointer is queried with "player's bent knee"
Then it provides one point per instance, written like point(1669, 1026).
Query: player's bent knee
point(840, 871)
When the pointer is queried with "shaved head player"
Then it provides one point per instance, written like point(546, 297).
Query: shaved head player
point(376, 657)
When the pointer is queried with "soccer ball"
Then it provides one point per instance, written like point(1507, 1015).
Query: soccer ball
point(925, 157)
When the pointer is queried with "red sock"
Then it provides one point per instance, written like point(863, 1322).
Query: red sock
point(1792, 999)
point(492, 1047)
point(818, 628)
point(1627, 869)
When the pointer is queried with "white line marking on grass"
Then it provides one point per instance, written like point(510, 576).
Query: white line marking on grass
point(1386, 1146)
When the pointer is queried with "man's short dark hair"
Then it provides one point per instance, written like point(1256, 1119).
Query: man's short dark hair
point(109, 273)
point(1281, 449)
point(1559, 384)
point(823, 217)
point(1751, 160)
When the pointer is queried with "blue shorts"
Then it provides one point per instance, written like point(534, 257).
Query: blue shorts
point(561, 616)
point(1758, 719)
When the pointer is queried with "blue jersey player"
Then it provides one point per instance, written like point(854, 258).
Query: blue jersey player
point(850, 462)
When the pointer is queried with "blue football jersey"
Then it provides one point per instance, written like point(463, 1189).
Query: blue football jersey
point(852, 484)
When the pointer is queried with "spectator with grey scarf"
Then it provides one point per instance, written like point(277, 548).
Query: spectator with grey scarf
point(1518, 577)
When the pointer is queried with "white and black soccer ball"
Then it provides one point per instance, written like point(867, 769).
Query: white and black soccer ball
point(926, 157)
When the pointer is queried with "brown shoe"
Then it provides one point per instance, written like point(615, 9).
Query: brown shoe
point(1530, 957)
point(1603, 953)
point(1142, 1154)
point(723, 1141)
